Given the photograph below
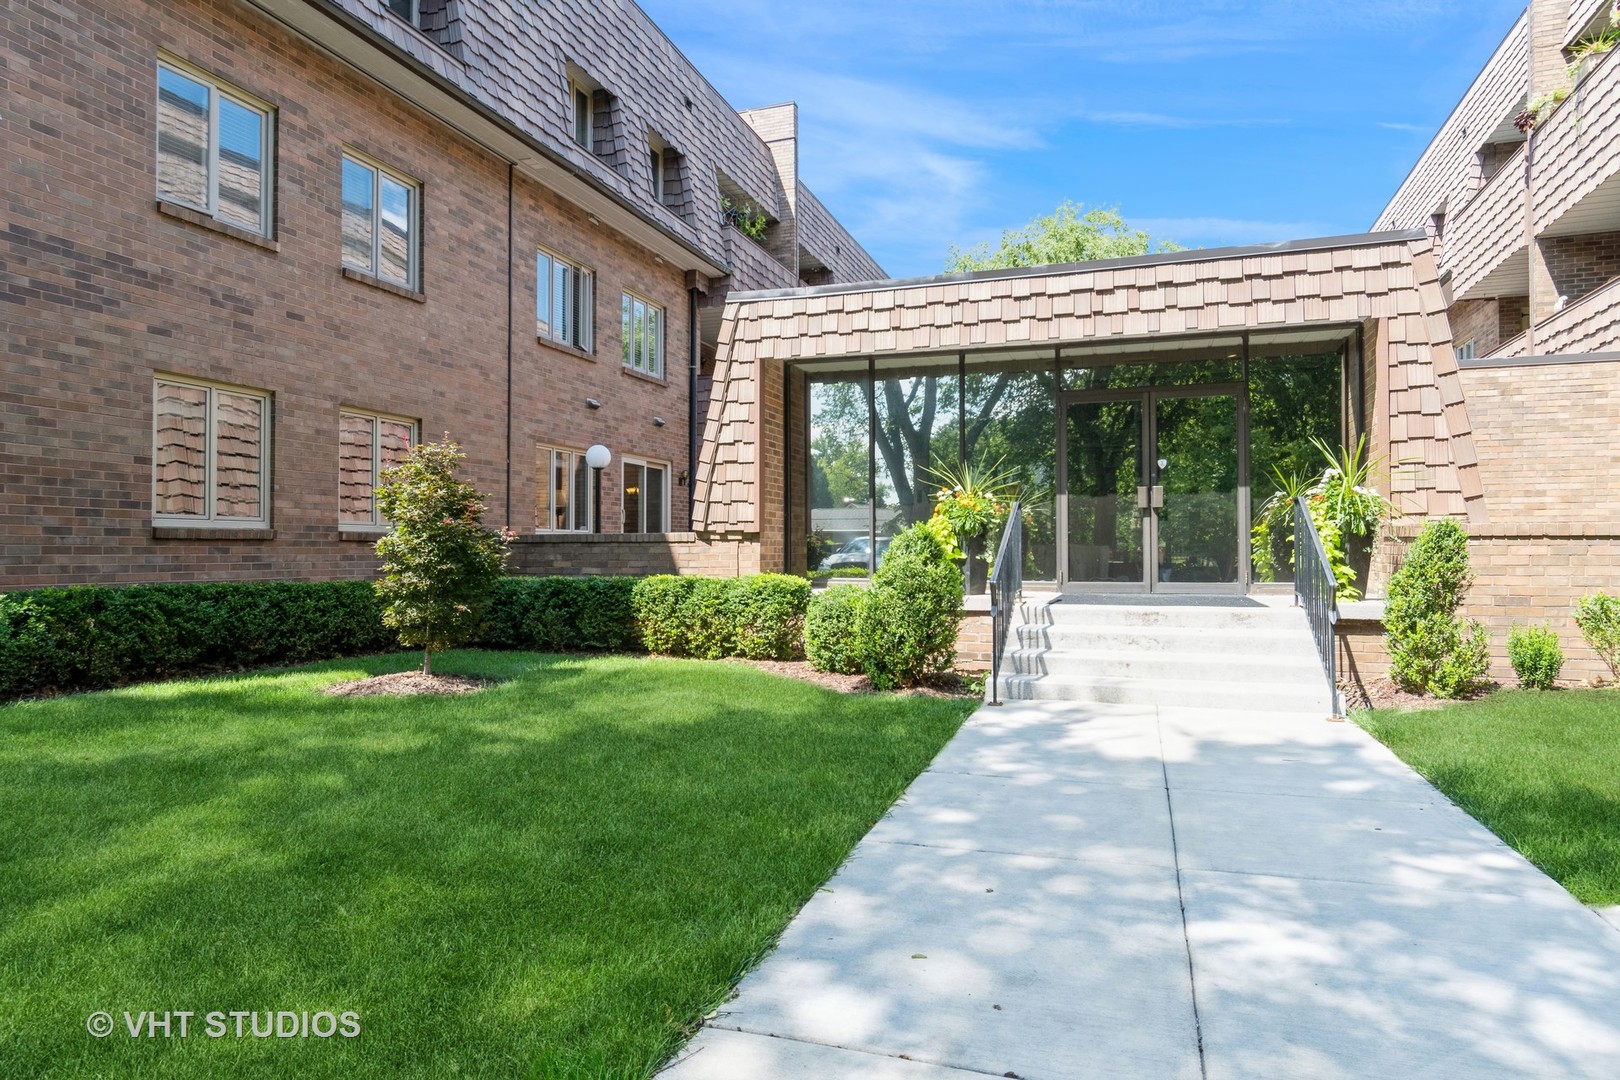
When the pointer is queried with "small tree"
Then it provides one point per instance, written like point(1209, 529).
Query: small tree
point(440, 564)
point(1430, 648)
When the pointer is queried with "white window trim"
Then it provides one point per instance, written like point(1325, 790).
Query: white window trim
point(207, 520)
point(1465, 351)
point(414, 187)
point(549, 490)
point(655, 360)
point(576, 88)
point(656, 163)
point(267, 147)
point(585, 281)
point(377, 523)
point(624, 487)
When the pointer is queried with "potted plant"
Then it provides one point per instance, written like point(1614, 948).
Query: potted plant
point(1344, 499)
point(971, 501)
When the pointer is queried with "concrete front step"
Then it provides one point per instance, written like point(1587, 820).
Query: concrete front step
point(1280, 641)
point(1259, 668)
point(1206, 652)
point(1113, 690)
point(1185, 616)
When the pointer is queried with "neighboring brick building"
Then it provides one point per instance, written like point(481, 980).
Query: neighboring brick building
point(249, 250)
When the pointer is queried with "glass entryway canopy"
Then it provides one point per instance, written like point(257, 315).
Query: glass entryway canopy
point(1140, 464)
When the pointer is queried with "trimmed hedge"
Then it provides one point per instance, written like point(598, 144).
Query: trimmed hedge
point(555, 614)
point(89, 637)
point(760, 617)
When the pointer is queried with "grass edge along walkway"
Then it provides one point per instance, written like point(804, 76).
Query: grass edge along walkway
point(1540, 769)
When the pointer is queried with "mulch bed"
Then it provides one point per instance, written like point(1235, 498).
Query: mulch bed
point(407, 683)
point(1380, 693)
point(946, 685)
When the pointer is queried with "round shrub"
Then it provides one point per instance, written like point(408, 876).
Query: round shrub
point(829, 630)
point(1430, 649)
point(906, 626)
point(1598, 616)
point(768, 610)
point(1536, 656)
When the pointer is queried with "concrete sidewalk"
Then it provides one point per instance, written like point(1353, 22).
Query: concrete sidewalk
point(1115, 891)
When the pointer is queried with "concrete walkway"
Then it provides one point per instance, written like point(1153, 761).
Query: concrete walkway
point(1077, 891)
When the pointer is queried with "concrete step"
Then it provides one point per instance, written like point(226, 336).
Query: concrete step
point(1280, 641)
point(1113, 690)
point(1185, 616)
point(1295, 667)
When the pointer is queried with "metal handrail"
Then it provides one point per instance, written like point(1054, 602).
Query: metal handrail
point(1006, 585)
point(1316, 589)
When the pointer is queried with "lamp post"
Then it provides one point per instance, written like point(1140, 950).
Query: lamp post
point(598, 457)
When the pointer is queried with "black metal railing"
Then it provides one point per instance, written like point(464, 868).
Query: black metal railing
point(1316, 589)
point(1006, 584)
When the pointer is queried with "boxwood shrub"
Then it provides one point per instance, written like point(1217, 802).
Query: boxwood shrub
point(829, 630)
point(907, 624)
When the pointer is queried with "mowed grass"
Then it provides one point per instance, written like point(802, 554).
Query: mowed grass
point(1540, 769)
point(555, 877)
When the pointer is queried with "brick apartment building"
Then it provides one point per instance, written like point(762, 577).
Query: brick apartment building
point(254, 247)
point(252, 250)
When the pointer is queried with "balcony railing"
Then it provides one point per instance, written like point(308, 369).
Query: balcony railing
point(752, 267)
point(1591, 324)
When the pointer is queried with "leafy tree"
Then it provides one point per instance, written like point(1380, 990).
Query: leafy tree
point(1065, 235)
point(440, 564)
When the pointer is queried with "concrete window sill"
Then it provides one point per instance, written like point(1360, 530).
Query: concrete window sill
point(203, 221)
point(654, 379)
point(566, 350)
point(386, 286)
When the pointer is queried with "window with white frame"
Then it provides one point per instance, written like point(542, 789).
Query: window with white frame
point(565, 500)
point(1465, 351)
point(405, 9)
point(642, 335)
point(563, 310)
point(213, 148)
point(581, 109)
point(210, 453)
point(368, 443)
point(646, 496)
point(381, 221)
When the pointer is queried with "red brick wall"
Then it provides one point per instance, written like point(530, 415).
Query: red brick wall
point(100, 291)
point(1580, 264)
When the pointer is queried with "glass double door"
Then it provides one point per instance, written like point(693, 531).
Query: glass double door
point(1148, 490)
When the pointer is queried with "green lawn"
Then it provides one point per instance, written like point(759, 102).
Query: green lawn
point(554, 877)
point(1540, 769)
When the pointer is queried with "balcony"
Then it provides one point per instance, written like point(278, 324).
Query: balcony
point(752, 267)
point(1589, 325)
point(1485, 239)
point(1578, 158)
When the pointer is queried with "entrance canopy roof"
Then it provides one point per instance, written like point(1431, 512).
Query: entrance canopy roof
point(1343, 279)
point(1148, 308)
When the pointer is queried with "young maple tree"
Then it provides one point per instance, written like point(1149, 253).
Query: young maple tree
point(440, 564)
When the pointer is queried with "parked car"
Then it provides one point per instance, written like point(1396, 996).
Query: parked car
point(855, 553)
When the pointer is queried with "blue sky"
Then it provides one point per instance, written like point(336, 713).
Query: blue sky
point(925, 124)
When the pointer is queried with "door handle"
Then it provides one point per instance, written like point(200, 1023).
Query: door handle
point(1157, 497)
point(1141, 498)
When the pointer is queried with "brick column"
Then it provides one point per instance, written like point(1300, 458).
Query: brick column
point(1548, 72)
